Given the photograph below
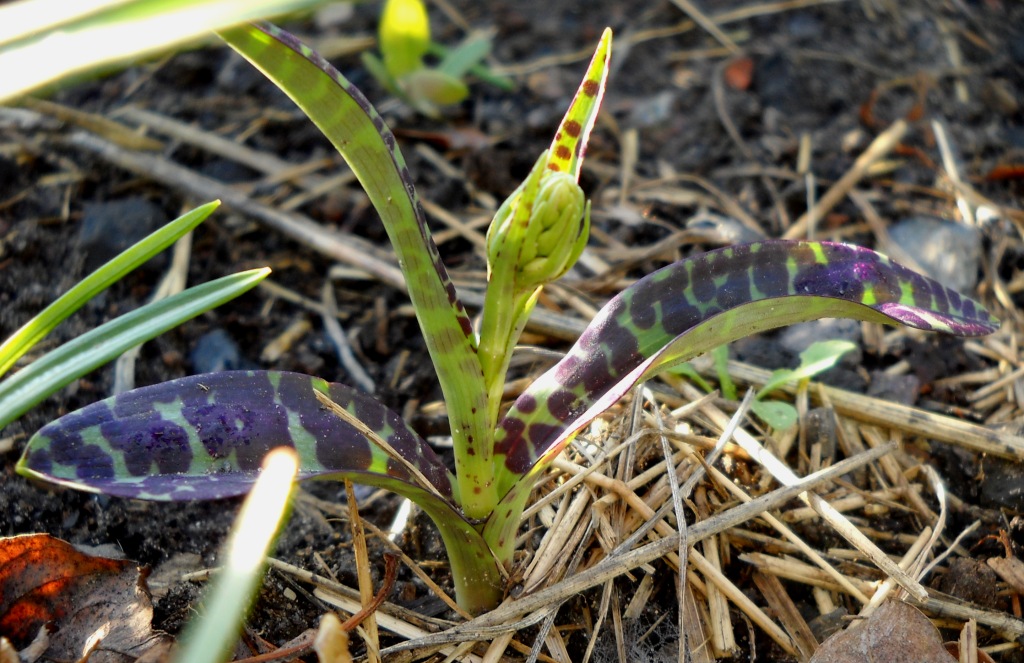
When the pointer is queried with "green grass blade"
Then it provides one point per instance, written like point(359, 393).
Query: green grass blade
point(42, 41)
point(38, 327)
point(212, 634)
point(93, 349)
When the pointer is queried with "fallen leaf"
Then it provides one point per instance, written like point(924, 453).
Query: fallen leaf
point(81, 599)
point(895, 631)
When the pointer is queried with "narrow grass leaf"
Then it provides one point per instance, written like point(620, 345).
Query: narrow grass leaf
point(38, 327)
point(95, 348)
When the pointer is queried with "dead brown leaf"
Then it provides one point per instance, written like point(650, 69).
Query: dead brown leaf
point(895, 632)
point(89, 604)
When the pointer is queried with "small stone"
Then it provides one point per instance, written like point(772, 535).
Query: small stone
point(902, 389)
point(652, 111)
point(804, 25)
point(215, 351)
point(825, 625)
point(227, 171)
point(949, 252)
point(109, 228)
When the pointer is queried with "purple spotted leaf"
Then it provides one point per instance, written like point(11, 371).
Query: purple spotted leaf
point(694, 305)
point(355, 128)
point(204, 437)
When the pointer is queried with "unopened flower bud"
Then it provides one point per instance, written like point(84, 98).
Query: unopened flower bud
point(558, 229)
point(541, 228)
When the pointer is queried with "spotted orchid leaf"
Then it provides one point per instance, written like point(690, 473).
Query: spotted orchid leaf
point(570, 142)
point(694, 305)
point(359, 134)
point(205, 436)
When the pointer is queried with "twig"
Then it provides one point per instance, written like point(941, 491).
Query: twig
point(701, 19)
point(903, 417)
point(336, 244)
point(718, 95)
point(372, 638)
point(211, 142)
point(342, 511)
point(791, 536)
point(340, 340)
point(500, 619)
point(843, 527)
point(782, 605)
point(882, 145)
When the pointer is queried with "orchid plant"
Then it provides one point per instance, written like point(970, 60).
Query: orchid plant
point(202, 437)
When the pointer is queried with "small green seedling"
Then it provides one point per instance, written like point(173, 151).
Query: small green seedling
point(817, 358)
point(404, 37)
point(203, 437)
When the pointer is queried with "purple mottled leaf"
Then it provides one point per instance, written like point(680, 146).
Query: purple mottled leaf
point(694, 305)
point(204, 437)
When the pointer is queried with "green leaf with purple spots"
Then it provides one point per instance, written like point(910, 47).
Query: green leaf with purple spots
point(358, 132)
point(694, 305)
point(204, 437)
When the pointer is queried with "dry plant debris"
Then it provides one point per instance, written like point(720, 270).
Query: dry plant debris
point(62, 604)
point(754, 540)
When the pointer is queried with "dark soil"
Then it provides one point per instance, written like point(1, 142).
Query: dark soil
point(839, 72)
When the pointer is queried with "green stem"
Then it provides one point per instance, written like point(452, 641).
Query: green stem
point(479, 582)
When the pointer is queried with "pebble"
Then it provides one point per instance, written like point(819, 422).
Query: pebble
point(652, 111)
point(109, 228)
point(227, 171)
point(216, 351)
point(971, 580)
point(803, 25)
point(949, 252)
point(903, 389)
